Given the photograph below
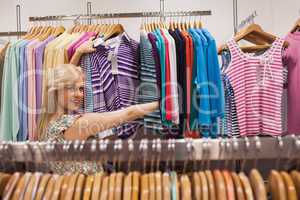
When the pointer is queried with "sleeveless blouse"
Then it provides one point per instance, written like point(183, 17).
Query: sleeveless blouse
point(257, 82)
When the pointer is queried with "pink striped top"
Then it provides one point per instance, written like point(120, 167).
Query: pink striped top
point(258, 85)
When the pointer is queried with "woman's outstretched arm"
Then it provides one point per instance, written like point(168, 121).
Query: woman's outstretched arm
point(92, 123)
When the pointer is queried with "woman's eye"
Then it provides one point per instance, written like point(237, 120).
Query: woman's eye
point(81, 89)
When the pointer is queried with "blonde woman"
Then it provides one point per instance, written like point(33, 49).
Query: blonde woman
point(65, 96)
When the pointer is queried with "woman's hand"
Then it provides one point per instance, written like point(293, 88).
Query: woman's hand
point(86, 47)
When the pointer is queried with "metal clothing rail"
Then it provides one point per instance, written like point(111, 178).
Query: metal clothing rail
point(20, 33)
point(121, 15)
point(146, 150)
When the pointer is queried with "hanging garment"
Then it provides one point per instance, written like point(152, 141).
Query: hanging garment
point(2, 58)
point(9, 124)
point(258, 84)
point(115, 68)
point(85, 63)
point(148, 89)
point(291, 60)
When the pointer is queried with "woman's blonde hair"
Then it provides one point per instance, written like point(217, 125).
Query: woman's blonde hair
point(55, 79)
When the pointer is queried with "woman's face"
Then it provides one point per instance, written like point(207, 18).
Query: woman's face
point(71, 97)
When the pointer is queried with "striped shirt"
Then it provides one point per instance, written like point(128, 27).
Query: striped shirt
point(258, 84)
point(85, 64)
point(115, 69)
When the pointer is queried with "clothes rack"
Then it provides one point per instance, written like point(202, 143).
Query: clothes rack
point(13, 33)
point(248, 148)
point(121, 15)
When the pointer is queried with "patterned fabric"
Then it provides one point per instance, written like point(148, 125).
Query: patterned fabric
point(55, 130)
point(85, 64)
point(148, 90)
point(258, 85)
point(115, 70)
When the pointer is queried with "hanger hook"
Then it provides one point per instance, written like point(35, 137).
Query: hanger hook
point(280, 148)
point(153, 155)
point(130, 149)
point(158, 149)
point(257, 149)
point(247, 149)
point(235, 147)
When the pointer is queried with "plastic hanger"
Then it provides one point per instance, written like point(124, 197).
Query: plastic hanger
point(158, 188)
point(119, 186)
point(112, 186)
point(42, 186)
point(211, 185)
point(127, 189)
point(186, 189)
point(4, 179)
point(71, 187)
point(57, 188)
point(145, 187)
point(22, 185)
point(197, 186)
point(296, 26)
point(135, 185)
point(204, 186)
point(88, 188)
point(166, 186)
point(258, 185)
point(238, 187)
point(11, 185)
point(246, 186)
point(220, 185)
point(289, 186)
point(277, 186)
point(229, 185)
point(296, 179)
point(50, 187)
point(97, 186)
point(79, 187)
point(151, 186)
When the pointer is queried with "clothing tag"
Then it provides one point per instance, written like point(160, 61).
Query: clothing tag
point(114, 62)
point(98, 41)
point(105, 134)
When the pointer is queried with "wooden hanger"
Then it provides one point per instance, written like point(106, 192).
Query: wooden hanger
point(197, 186)
point(41, 189)
point(116, 30)
point(211, 185)
point(296, 27)
point(151, 186)
point(258, 185)
point(50, 187)
point(289, 186)
point(127, 188)
point(64, 187)
point(296, 179)
point(58, 31)
point(97, 185)
point(145, 187)
point(79, 187)
point(29, 192)
point(135, 185)
point(158, 184)
point(104, 188)
point(11, 185)
point(204, 186)
point(71, 186)
point(166, 186)
point(246, 186)
point(22, 185)
point(238, 187)
point(220, 185)
point(57, 188)
point(88, 188)
point(119, 186)
point(4, 179)
point(277, 186)
point(229, 185)
point(112, 186)
point(254, 34)
point(186, 188)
